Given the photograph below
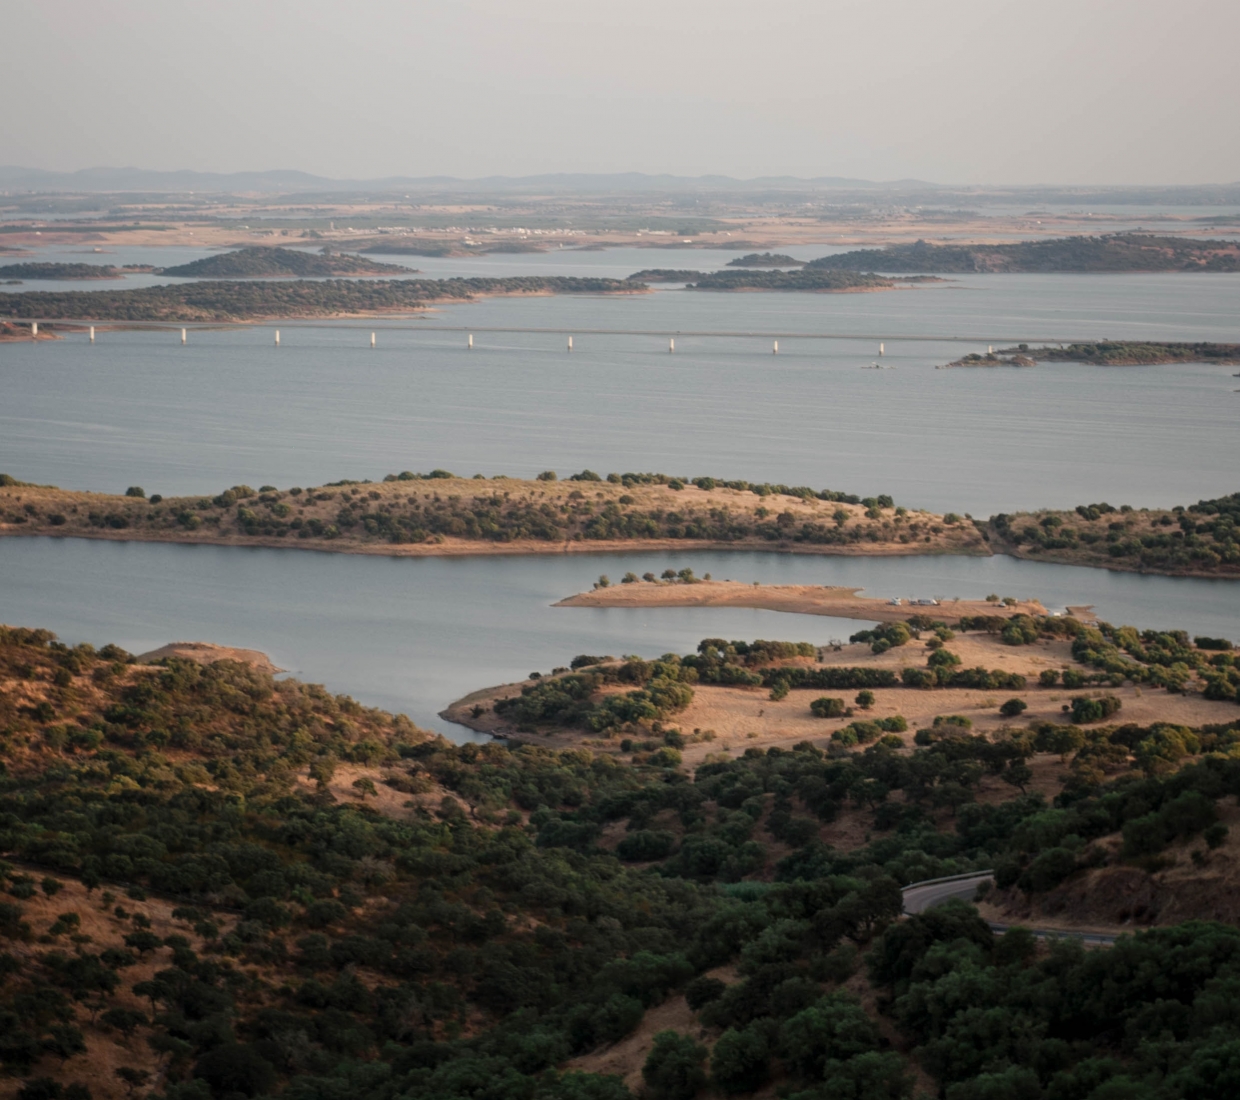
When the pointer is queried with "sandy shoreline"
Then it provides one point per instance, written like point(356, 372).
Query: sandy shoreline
point(452, 547)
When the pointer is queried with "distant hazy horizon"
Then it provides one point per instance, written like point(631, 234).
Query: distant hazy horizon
point(103, 179)
point(962, 92)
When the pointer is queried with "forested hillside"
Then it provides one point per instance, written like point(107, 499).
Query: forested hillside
point(220, 885)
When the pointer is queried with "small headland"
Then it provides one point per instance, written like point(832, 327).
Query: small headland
point(207, 653)
point(1200, 540)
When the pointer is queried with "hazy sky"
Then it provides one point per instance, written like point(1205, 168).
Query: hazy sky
point(1081, 91)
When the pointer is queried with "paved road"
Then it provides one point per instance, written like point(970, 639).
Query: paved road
point(920, 896)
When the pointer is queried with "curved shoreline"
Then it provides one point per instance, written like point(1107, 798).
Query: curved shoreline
point(455, 548)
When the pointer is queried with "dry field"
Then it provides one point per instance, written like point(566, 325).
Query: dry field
point(746, 717)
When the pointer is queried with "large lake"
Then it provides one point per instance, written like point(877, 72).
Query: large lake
point(412, 635)
point(138, 408)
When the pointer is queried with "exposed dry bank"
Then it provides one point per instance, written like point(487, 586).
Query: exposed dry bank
point(800, 599)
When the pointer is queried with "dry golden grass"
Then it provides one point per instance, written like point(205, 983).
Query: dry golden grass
point(799, 599)
point(747, 717)
point(106, 1048)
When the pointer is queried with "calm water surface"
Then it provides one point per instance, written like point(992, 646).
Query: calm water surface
point(138, 408)
point(412, 635)
point(409, 635)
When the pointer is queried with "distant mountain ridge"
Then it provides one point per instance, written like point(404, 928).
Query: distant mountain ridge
point(144, 179)
point(130, 179)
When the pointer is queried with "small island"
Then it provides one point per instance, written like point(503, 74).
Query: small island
point(805, 280)
point(665, 275)
point(1118, 252)
point(282, 263)
point(766, 259)
point(438, 513)
point(1106, 353)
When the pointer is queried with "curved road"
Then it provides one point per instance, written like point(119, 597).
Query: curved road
point(920, 896)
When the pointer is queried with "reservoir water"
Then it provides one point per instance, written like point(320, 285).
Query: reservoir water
point(412, 635)
point(138, 408)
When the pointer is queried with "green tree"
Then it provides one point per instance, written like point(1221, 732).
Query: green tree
point(740, 1061)
point(673, 1069)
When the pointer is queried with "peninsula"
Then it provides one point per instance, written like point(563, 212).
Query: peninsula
point(904, 673)
point(1201, 540)
point(441, 514)
point(799, 599)
point(1118, 252)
